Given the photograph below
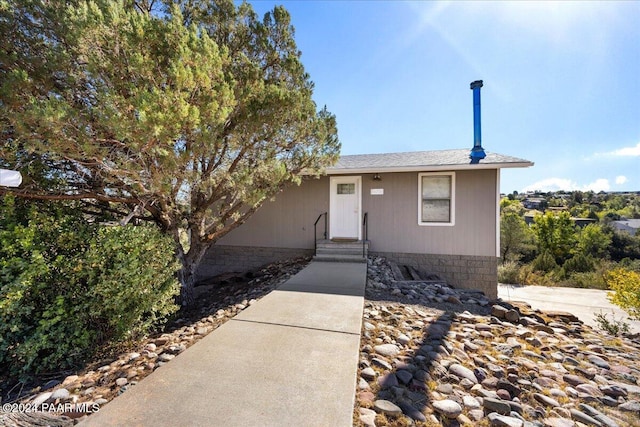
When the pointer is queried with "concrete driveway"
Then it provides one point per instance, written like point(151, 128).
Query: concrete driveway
point(583, 303)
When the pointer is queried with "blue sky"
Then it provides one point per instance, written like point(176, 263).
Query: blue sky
point(561, 82)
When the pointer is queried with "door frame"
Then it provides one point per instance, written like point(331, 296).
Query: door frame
point(333, 214)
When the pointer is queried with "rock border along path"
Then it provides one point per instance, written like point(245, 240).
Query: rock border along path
point(432, 355)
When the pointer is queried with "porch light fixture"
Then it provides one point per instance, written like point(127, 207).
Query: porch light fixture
point(376, 177)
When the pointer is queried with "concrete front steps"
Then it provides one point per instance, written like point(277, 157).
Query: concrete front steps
point(341, 251)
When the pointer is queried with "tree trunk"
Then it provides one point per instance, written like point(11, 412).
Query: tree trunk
point(187, 275)
point(187, 285)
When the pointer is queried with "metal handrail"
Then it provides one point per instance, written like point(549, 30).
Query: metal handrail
point(365, 229)
point(315, 233)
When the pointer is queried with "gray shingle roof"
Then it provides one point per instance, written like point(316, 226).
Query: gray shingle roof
point(632, 223)
point(423, 160)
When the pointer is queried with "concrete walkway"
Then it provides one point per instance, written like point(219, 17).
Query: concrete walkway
point(288, 360)
point(583, 303)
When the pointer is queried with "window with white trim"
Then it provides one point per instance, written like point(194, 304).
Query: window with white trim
point(436, 193)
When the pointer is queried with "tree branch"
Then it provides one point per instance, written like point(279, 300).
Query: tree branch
point(83, 196)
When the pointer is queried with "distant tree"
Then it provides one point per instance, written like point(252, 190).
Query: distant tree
point(555, 202)
point(623, 245)
point(611, 216)
point(544, 204)
point(190, 114)
point(574, 199)
point(634, 203)
point(555, 234)
point(616, 203)
point(621, 206)
point(513, 195)
point(515, 235)
point(592, 243)
point(593, 240)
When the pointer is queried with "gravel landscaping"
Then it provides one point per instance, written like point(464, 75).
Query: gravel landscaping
point(435, 356)
point(430, 355)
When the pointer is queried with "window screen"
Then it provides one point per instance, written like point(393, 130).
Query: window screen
point(436, 198)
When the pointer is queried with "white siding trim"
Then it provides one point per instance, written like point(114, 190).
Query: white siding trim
point(498, 213)
point(452, 213)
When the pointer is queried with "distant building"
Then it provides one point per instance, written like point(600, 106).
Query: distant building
point(583, 222)
point(631, 226)
point(533, 203)
point(529, 219)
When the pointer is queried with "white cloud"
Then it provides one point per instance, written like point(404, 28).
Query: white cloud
point(562, 184)
point(626, 151)
point(621, 179)
point(550, 184)
point(598, 185)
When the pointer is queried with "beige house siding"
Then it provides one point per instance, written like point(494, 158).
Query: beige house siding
point(286, 222)
point(393, 216)
point(464, 253)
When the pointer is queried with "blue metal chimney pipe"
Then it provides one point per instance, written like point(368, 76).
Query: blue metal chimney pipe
point(477, 153)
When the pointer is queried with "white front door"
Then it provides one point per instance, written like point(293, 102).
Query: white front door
point(345, 207)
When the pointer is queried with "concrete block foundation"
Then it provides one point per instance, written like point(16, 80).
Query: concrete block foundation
point(460, 271)
point(225, 259)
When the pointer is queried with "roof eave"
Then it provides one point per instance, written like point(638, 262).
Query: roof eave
point(426, 168)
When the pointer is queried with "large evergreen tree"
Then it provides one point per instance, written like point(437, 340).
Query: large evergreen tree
point(187, 113)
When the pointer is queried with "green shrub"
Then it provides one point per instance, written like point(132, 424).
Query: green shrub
point(614, 326)
point(508, 272)
point(35, 253)
point(68, 287)
point(579, 263)
point(525, 275)
point(630, 264)
point(545, 262)
point(625, 287)
point(528, 276)
point(130, 272)
point(587, 279)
